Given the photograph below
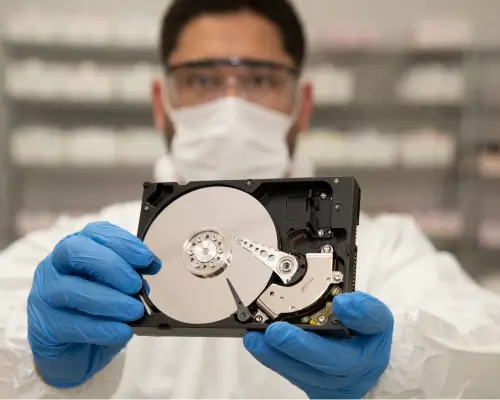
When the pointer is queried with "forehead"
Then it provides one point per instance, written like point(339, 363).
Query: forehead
point(243, 34)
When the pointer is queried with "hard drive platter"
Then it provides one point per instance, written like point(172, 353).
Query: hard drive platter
point(240, 255)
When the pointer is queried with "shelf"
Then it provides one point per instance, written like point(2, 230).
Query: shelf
point(380, 56)
point(389, 106)
point(107, 171)
point(75, 52)
point(142, 105)
point(390, 117)
point(490, 177)
point(149, 52)
point(71, 105)
point(385, 50)
point(88, 173)
point(80, 113)
point(71, 112)
point(387, 171)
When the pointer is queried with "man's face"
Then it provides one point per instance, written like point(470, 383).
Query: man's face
point(242, 35)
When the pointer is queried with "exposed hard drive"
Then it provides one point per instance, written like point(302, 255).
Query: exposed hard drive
point(240, 255)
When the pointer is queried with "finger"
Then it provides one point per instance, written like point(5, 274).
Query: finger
point(65, 326)
point(291, 369)
point(126, 245)
point(335, 357)
point(79, 255)
point(362, 313)
point(146, 287)
point(85, 329)
point(75, 293)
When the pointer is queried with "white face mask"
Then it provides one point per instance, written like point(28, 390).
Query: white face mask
point(230, 138)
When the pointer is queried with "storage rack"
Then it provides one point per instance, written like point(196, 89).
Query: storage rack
point(108, 184)
point(457, 187)
point(6, 233)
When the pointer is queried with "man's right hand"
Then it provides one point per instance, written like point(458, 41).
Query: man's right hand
point(81, 300)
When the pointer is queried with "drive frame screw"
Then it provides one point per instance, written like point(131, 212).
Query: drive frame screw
point(327, 248)
point(338, 277)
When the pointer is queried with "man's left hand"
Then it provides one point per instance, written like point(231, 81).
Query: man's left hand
point(331, 368)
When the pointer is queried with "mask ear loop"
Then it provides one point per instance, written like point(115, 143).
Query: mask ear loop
point(167, 105)
point(294, 115)
point(297, 102)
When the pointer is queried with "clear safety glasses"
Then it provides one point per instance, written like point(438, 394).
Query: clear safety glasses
point(265, 83)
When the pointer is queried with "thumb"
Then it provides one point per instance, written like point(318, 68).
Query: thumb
point(362, 313)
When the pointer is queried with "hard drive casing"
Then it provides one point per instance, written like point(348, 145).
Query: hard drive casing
point(308, 214)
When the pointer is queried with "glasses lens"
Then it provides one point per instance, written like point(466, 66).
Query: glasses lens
point(264, 85)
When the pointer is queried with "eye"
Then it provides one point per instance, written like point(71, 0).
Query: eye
point(201, 81)
point(260, 81)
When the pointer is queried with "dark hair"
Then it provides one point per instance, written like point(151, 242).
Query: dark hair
point(280, 12)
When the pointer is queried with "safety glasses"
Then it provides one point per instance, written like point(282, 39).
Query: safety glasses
point(268, 84)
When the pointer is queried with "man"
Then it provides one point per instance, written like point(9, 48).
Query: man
point(232, 106)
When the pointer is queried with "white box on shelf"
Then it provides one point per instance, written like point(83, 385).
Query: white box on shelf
point(31, 79)
point(489, 234)
point(488, 164)
point(88, 81)
point(371, 149)
point(17, 83)
point(325, 148)
point(332, 85)
point(37, 146)
point(440, 224)
point(427, 149)
point(32, 24)
point(349, 37)
point(85, 25)
point(139, 146)
point(432, 84)
point(133, 83)
point(444, 32)
point(134, 31)
point(91, 147)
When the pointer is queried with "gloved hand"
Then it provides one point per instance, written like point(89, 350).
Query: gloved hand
point(327, 368)
point(80, 300)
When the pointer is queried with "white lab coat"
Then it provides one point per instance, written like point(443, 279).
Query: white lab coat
point(446, 339)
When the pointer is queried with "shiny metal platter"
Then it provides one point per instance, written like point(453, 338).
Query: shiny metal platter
point(193, 237)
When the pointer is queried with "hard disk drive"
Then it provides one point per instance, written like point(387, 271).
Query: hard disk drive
point(240, 255)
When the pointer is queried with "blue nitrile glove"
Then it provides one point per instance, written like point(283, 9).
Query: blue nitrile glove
point(80, 300)
point(326, 368)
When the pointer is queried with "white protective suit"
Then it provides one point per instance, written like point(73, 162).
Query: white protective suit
point(446, 339)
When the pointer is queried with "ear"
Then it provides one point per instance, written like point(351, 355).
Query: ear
point(306, 106)
point(159, 115)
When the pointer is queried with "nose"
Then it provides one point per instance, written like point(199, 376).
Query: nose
point(231, 92)
point(231, 87)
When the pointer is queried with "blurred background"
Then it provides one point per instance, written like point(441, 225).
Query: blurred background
point(408, 100)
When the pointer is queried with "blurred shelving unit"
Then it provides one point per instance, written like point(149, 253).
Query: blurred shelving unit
point(79, 132)
point(412, 122)
point(451, 193)
point(6, 233)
